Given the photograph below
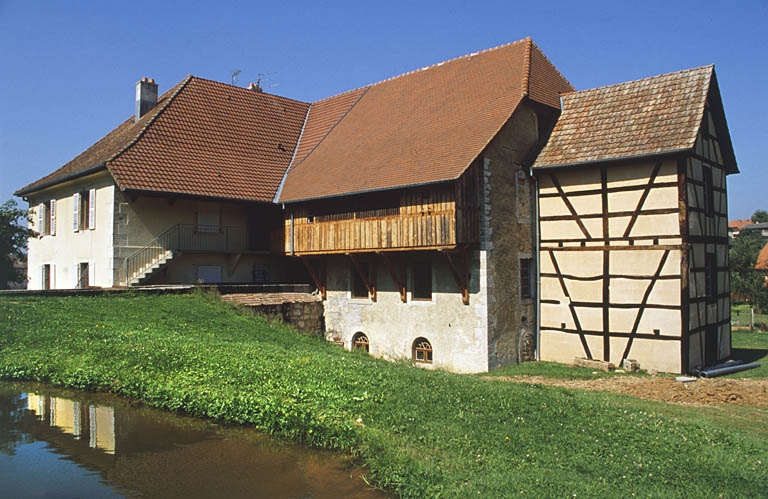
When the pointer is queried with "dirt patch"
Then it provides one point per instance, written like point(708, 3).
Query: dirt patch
point(701, 392)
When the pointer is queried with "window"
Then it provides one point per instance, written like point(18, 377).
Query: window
point(526, 267)
point(46, 223)
point(83, 275)
point(209, 274)
point(84, 210)
point(46, 276)
point(709, 192)
point(710, 276)
point(422, 280)
point(422, 351)
point(359, 289)
point(360, 342)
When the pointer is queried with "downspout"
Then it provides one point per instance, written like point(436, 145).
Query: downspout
point(537, 259)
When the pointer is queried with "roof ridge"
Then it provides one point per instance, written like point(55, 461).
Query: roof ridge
point(243, 89)
point(544, 55)
point(437, 64)
point(364, 87)
point(527, 68)
point(647, 78)
point(328, 132)
point(158, 112)
point(293, 156)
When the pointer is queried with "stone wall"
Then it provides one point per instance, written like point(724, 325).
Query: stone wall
point(303, 311)
point(507, 236)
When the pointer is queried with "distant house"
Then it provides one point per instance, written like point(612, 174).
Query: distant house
point(468, 215)
point(20, 266)
point(735, 227)
point(762, 262)
point(759, 227)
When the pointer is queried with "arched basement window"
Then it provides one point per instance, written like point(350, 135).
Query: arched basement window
point(422, 351)
point(360, 341)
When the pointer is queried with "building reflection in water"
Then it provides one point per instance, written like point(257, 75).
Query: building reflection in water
point(72, 417)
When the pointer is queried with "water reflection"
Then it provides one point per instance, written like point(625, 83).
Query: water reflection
point(71, 417)
point(69, 444)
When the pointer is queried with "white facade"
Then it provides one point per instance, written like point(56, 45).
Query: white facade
point(74, 222)
point(458, 333)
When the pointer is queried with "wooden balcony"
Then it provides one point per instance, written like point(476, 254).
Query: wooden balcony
point(441, 216)
point(434, 230)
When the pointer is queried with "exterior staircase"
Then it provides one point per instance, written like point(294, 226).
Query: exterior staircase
point(158, 253)
point(158, 263)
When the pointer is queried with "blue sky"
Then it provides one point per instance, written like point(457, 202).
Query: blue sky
point(69, 68)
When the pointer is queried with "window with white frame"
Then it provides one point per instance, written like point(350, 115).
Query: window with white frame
point(47, 276)
point(422, 351)
point(84, 210)
point(84, 275)
point(46, 218)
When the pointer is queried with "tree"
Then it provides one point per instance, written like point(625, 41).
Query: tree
point(759, 216)
point(13, 242)
point(745, 280)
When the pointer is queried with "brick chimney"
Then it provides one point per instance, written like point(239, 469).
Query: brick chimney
point(146, 96)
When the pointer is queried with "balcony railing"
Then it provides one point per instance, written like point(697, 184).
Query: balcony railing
point(197, 238)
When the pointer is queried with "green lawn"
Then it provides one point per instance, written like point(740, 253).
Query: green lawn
point(740, 317)
point(750, 347)
point(419, 433)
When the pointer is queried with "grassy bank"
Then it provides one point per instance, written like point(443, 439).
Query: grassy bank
point(418, 432)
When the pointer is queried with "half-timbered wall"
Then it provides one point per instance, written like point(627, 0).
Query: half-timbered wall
point(611, 253)
point(435, 217)
point(634, 260)
point(708, 279)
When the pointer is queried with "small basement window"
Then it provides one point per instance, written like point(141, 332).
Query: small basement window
point(422, 351)
point(360, 342)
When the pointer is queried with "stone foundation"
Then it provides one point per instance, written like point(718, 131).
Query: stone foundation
point(303, 311)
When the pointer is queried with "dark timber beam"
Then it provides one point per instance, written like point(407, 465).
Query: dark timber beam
point(370, 279)
point(458, 264)
point(319, 280)
point(397, 272)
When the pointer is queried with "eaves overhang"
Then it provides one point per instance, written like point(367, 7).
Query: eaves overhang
point(60, 180)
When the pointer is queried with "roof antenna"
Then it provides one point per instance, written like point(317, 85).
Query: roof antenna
point(234, 76)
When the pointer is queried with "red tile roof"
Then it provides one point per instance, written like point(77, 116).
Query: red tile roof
point(421, 127)
point(111, 144)
point(762, 259)
point(738, 224)
point(656, 115)
point(204, 139)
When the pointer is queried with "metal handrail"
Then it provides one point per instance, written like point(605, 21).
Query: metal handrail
point(186, 237)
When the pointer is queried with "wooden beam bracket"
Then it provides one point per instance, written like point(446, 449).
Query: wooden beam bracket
point(458, 264)
point(318, 278)
point(397, 272)
point(369, 280)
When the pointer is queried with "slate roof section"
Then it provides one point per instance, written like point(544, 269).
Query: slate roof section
point(202, 139)
point(425, 126)
point(652, 116)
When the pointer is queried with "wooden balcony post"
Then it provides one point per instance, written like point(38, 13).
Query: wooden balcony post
point(320, 279)
point(458, 264)
point(397, 272)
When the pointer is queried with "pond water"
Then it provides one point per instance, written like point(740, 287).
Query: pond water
point(61, 443)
